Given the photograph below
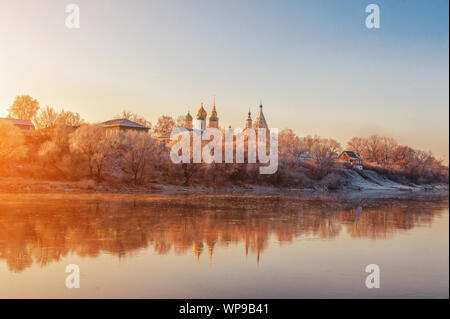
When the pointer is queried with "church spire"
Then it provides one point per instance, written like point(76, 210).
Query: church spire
point(260, 121)
point(213, 112)
point(213, 119)
point(188, 119)
point(248, 121)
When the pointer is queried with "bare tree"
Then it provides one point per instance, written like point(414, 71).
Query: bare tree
point(46, 118)
point(402, 156)
point(70, 118)
point(373, 147)
point(24, 108)
point(137, 150)
point(289, 147)
point(325, 151)
point(55, 152)
point(309, 142)
point(357, 145)
point(90, 140)
point(386, 150)
point(164, 126)
point(378, 149)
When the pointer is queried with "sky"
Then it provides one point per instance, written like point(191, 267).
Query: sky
point(314, 64)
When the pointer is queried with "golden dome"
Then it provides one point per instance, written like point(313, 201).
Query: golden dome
point(213, 116)
point(201, 113)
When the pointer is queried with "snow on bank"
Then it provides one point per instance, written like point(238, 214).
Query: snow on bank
point(372, 185)
point(374, 182)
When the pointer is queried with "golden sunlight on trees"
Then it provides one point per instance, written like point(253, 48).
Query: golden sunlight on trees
point(289, 142)
point(289, 145)
point(164, 126)
point(69, 118)
point(46, 118)
point(90, 141)
point(54, 153)
point(64, 148)
point(24, 108)
point(11, 143)
point(49, 117)
point(385, 153)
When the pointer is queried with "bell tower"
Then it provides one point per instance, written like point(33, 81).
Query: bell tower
point(248, 121)
point(213, 119)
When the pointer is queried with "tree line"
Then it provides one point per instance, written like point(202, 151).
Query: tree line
point(65, 147)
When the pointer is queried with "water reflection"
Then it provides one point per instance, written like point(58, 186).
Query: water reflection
point(43, 230)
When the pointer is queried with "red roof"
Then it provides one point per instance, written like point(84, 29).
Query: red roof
point(20, 123)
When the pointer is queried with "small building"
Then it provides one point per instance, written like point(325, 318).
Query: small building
point(114, 127)
point(304, 157)
point(164, 139)
point(22, 124)
point(352, 159)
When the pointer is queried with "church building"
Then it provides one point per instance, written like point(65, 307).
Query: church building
point(202, 121)
point(260, 121)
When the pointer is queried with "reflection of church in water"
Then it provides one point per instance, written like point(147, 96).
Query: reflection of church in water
point(189, 226)
point(202, 121)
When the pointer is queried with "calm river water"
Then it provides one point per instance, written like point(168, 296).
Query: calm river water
point(130, 246)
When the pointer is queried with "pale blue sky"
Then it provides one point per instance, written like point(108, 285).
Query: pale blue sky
point(314, 64)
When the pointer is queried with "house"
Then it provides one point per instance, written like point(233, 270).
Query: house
point(304, 157)
point(351, 158)
point(22, 124)
point(114, 127)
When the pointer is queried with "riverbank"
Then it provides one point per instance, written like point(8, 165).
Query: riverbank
point(355, 189)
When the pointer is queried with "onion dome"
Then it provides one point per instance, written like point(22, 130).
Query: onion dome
point(201, 113)
point(188, 117)
point(213, 116)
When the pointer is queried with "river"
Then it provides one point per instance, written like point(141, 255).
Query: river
point(213, 246)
